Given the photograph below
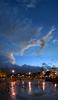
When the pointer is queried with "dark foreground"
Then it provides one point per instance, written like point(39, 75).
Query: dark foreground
point(30, 90)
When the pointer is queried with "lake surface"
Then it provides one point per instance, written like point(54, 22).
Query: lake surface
point(28, 90)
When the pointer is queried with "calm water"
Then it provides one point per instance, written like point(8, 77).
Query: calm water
point(28, 90)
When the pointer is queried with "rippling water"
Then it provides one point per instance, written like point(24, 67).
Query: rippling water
point(28, 90)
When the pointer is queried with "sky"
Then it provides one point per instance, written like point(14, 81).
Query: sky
point(29, 32)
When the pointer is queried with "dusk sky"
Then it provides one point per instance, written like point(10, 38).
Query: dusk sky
point(29, 32)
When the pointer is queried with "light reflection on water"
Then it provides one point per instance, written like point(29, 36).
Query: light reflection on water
point(30, 88)
point(13, 89)
point(18, 89)
point(55, 85)
point(43, 85)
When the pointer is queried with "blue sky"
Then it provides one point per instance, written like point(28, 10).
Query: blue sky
point(29, 31)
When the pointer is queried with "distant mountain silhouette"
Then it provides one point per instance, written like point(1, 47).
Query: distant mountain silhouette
point(24, 68)
point(17, 68)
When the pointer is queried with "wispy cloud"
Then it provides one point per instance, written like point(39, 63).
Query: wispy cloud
point(28, 3)
point(31, 3)
point(40, 42)
point(55, 41)
point(47, 37)
point(7, 58)
point(13, 41)
point(11, 58)
point(21, 36)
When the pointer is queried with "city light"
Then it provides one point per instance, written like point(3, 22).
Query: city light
point(13, 71)
point(29, 73)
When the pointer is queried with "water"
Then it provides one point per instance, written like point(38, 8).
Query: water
point(28, 90)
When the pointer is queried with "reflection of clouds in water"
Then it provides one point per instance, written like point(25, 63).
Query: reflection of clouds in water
point(13, 89)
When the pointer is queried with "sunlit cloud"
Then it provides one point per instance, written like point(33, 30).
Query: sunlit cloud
point(40, 42)
point(11, 58)
point(47, 37)
point(7, 58)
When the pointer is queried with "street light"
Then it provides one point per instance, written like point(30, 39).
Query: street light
point(29, 73)
point(13, 71)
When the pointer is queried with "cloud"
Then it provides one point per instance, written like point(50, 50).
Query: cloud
point(47, 37)
point(32, 3)
point(55, 41)
point(17, 33)
point(11, 58)
point(28, 3)
point(16, 39)
point(7, 58)
point(39, 42)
